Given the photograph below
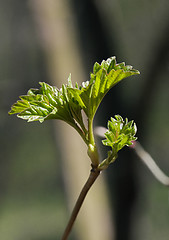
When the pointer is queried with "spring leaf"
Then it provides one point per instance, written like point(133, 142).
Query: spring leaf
point(104, 77)
point(120, 133)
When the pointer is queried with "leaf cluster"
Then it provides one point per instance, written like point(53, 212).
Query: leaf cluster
point(68, 103)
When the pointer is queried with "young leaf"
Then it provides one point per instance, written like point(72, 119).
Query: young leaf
point(120, 133)
point(104, 77)
point(46, 103)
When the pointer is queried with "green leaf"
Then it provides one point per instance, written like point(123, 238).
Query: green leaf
point(104, 77)
point(120, 133)
point(46, 103)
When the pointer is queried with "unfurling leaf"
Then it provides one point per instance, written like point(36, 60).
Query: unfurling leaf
point(120, 133)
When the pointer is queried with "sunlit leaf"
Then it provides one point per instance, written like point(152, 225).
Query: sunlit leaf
point(104, 77)
point(120, 133)
point(45, 103)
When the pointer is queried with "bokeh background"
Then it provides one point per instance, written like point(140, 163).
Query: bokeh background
point(42, 165)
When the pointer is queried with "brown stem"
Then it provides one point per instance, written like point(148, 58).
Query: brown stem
point(92, 177)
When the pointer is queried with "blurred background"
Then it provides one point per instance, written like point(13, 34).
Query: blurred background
point(43, 166)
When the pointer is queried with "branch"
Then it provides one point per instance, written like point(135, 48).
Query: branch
point(150, 163)
point(92, 177)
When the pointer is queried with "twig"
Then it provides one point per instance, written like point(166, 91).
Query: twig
point(92, 177)
point(150, 163)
